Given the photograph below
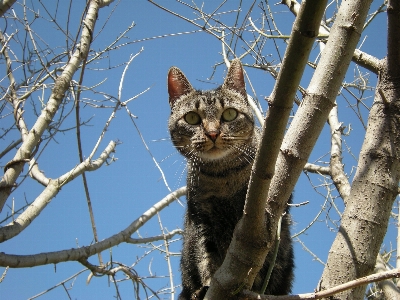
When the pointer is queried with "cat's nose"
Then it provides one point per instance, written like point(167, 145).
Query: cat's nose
point(213, 135)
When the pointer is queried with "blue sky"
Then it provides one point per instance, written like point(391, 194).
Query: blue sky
point(122, 191)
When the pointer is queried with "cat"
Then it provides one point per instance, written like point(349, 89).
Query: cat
point(215, 131)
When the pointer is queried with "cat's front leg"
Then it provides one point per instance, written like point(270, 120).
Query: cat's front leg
point(208, 262)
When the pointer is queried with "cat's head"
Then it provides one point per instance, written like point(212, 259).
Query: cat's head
point(210, 125)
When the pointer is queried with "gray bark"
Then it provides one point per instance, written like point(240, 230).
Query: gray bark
point(375, 185)
point(234, 274)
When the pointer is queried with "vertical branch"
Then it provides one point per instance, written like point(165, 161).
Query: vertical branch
point(336, 166)
point(16, 103)
point(80, 154)
point(365, 219)
point(168, 257)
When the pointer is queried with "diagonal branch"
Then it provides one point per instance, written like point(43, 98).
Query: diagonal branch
point(53, 187)
point(75, 254)
point(363, 59)
point(62, 84)
point(258, 242)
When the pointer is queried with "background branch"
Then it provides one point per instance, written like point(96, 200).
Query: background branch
point(24, 261)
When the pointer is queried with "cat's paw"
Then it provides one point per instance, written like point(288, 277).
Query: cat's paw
point(200, 293)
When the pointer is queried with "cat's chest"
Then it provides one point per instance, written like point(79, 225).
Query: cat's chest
point(203, 184)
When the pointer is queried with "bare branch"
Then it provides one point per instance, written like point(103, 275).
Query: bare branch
point(10, 147)
point(53, 187)
point(58, 284)
point(24, 261)
point(377, 176)
point(166, 236)
point(313, 168)
point(395, 273)
point(336, 165)
point(252, 225)
point(365, 60)
point(390, 290)
point(61, 86)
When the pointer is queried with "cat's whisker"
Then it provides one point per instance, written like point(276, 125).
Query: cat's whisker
point(214, 130)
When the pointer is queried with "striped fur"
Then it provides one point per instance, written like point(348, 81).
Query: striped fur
point(214, 130)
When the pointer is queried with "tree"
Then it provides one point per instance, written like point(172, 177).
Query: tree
point(60, 72)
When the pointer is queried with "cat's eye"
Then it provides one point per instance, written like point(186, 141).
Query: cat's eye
point(192, 118)
point(229, 114)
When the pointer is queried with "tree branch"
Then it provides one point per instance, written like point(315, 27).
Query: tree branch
point(365, 219)
point(76, 254)
point(336, 165)
point(389, 288)
point(61, 85)
point(165, 236)
point(233, 273)
point(363, 59)
point(53, 187)
point(395, 273)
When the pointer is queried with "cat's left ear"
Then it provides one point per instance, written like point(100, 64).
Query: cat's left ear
point(178, 85)
point(235, 79)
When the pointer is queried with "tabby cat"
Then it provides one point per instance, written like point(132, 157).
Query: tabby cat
point(214, 130)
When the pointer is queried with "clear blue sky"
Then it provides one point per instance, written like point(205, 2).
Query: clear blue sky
point(122, 191)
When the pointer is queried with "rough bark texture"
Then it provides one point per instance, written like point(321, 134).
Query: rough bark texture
point(365, 219)
point(320, 98)
point(251, 241)
point(375, 186)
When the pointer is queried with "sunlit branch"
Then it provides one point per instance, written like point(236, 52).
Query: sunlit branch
point(58, 284)
point(336, 165)
point(62, 84)
point(257, 209)
point(315, 257)
point(389, 288)
point(75, 254)
point(53, 187)
point(313, 221)
point(363, 59)
point(167, 236)
point(313, 168)
point(10, 147)
point(168, 258)
point(329, 292)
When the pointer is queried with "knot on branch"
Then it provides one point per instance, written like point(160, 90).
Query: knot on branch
point(308, 33)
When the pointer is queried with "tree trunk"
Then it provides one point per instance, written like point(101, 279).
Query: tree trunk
point(375, 186)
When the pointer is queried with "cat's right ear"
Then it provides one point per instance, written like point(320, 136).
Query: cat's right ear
point(178, 85)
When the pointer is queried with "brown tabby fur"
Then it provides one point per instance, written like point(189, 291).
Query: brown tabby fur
point(219, 147)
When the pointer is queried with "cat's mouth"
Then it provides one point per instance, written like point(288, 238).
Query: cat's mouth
point(214, 152)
